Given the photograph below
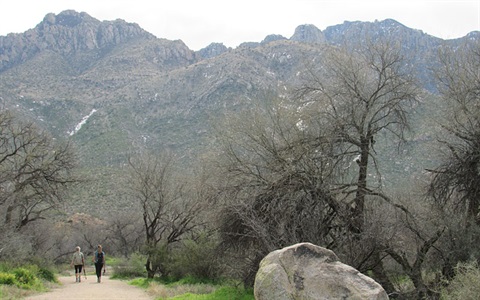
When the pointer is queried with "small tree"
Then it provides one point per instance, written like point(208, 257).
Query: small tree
point(168, 215)
point(125, 231)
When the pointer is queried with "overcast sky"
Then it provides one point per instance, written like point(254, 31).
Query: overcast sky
point(200, 22)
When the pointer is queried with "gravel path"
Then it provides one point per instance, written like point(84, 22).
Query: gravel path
point(90, 289)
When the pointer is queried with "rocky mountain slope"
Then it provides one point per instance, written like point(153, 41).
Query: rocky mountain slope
point(112, 88)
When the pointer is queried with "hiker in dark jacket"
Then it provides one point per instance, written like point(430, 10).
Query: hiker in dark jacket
point(99, 260)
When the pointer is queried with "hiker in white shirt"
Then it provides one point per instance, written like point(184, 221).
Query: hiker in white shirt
point(79, 262)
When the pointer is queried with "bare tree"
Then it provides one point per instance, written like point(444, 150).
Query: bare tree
point(414, 239)
point(125, 233)
point(168, 214)
point(275, 178)
point(455, 184)
point(34, 171)
point(456, 181)
point(301, 170)
point(360, 93)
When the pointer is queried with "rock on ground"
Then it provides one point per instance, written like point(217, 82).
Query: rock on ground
point(309, 272)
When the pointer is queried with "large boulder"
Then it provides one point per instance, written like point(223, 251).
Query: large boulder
point(305, 271)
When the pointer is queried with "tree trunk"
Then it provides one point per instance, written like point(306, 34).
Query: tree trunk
point(379, 273)
point(150, 270)
point(8, 215)
point(420, 287)
point(358, 210)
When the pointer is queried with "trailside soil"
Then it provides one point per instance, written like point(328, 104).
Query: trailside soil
point(89, 289)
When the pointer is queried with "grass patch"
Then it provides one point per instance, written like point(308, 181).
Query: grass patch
point(231, 293)
point(9, 292)
point(465, 285)
point(141, 282)
point(190, 288)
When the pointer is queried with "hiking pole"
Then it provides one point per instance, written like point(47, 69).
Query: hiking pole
point(84, 272)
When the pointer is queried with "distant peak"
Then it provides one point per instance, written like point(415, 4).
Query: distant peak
point(212, 50)
point(67, 18)
point(308, 33)
point(71, 31)
point(272, 38)
point(473, 34)
point(390, 22)
point(307, 27)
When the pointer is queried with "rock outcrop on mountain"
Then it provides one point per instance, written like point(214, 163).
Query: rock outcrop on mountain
point(67, 33)
point(272, 38)
point(212, 50)
point(308, 34)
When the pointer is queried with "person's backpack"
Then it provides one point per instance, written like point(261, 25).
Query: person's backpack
point(78, 258)
point(99, 257)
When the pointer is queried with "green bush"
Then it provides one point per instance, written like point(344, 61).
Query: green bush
point(196, 259)
point(130, 268)
point(24, 276)
point(6, 278)
point(465, 285)
point(46, 274)
point(15, 279)
point(6, 267)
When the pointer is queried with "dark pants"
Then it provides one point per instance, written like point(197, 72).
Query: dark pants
point(98, 269)
point(78, 268)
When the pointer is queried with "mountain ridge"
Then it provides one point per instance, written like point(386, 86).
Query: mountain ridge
point(83, 63)
point(70, 31)
point(71, 63)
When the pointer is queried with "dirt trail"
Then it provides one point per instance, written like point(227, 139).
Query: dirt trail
point(90, 289)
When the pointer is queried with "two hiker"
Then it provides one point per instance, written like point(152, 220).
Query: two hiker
point(78, 261)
